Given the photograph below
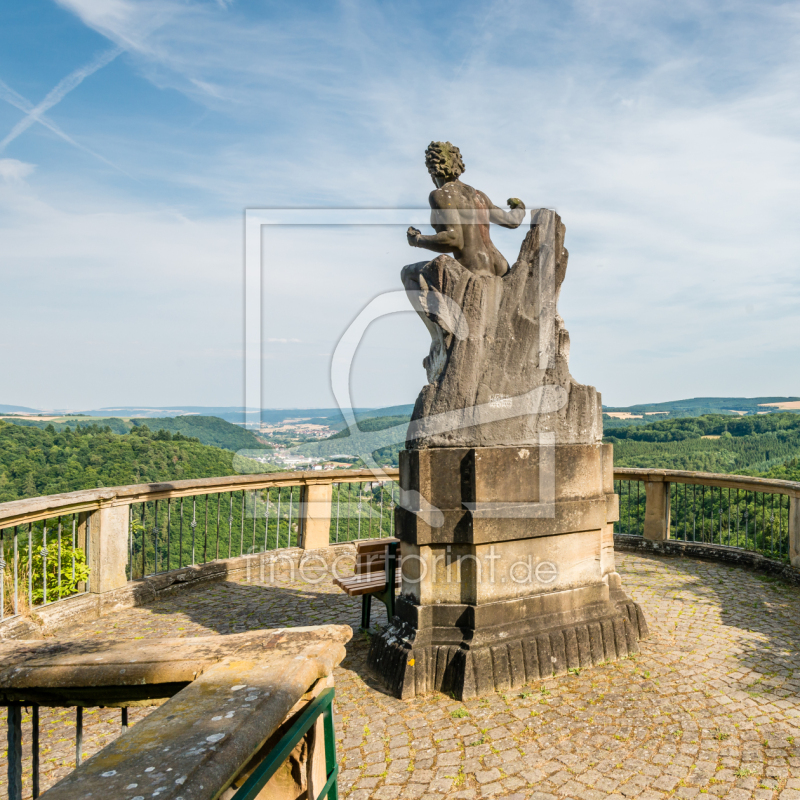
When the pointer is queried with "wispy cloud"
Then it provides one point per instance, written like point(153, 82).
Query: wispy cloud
point(125, 22)
point(58, 93)
point(18, 101)
point(667, 136)
point(14, 171)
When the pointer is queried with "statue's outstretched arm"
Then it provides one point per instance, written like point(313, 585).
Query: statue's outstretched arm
point(443, 242)
point(507, 219)
point(448, 236)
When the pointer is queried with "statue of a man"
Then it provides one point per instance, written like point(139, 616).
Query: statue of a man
point(460, 215)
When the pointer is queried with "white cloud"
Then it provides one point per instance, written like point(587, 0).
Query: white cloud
point(117, 304)
point(14, 171)
point(665, 134)
point(124, 22)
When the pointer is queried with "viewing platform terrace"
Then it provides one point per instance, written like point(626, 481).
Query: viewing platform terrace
point(710, 704)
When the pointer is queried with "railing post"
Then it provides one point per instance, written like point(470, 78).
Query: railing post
point(794, 531)
point(108, 548)
point(14, 751)
point(656, 510)
point(315, 515)
point(82, 543)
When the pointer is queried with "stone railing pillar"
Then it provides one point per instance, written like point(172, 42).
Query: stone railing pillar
point(107, 530)
point(794, 531)
point(315, 515)
point(656, 514)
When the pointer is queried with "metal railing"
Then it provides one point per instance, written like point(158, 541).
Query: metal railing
point(736, 518)
point(363, 510)
point(169, 534)
point(43, 562)
point(57, 547)
point(754, 514)
point(174, 532)
point(321, 706)
point(631, 506)
point(27, 716)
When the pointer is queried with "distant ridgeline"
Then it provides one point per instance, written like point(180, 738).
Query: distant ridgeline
point(713, 443)
point(755, 442)
point(372, 424)
point(746, 439)
point(35, 461)
point(81, 452)
point(627, 416)
point(207, 430)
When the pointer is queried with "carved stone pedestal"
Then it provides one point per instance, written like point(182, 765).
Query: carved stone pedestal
point(507, 492)
point(508, 570)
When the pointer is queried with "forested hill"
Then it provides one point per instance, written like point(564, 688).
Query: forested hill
point(696, 406)
point(208, 430)
point(735, 444)
point(372, 424)
point(675, 430)
point(38, 462)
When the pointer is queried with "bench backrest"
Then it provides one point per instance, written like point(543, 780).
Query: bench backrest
point(371, 555)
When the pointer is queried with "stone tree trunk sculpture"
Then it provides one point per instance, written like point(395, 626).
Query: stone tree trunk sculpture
point(507, 500)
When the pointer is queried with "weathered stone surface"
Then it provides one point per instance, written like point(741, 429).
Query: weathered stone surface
point(48, 666)
point(503, 464)
point(656, 518)
point(486, 494)
point(474, 671)
point(501, 351)
point(108, 548)
point(241, 689)
point(504, 474)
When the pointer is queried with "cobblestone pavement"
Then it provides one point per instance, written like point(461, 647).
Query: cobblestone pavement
point(711, 706)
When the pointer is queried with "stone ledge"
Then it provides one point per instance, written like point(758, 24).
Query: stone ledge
point(47, 621)
point(711, 552)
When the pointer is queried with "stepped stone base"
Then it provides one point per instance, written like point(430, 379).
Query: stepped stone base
point(409, 670)
point(507, 570)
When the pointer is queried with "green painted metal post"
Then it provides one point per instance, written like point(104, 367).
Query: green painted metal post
point(331, 766)
point(269, 766)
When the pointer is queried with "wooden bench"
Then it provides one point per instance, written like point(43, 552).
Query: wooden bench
point(376, 574)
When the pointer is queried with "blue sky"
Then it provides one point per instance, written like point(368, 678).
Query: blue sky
point(134, 134)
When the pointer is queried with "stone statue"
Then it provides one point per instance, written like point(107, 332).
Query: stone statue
point(460, 215)
point(507, 499)
point(498, 367)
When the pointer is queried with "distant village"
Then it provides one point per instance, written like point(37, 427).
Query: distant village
point(291, 432)
point(297, 428)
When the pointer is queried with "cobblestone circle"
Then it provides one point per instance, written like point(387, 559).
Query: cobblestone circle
point(711, 705)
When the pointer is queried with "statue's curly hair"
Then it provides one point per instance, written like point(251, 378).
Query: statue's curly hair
point(443, 160)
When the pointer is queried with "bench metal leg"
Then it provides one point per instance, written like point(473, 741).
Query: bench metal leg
point(387, 596)
point(366, 611)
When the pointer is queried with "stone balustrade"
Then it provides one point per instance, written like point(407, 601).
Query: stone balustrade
point(103, 530)
point(658, 511)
